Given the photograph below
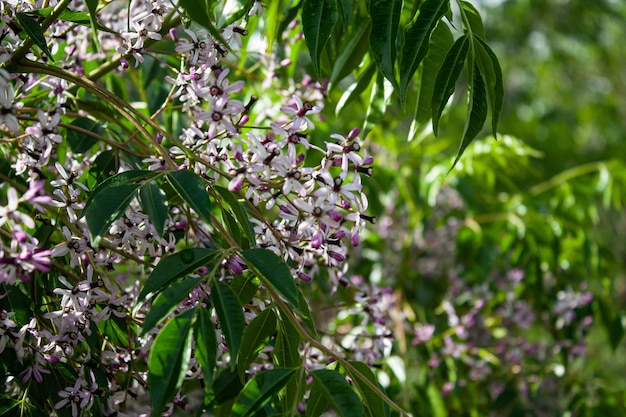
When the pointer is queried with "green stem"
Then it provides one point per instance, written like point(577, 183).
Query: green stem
point(566, 176)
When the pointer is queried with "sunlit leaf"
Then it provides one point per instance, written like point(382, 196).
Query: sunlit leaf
point(260, 329)
point(286, 348)
point(260, 390)
point(192, 189)
point(385, 16)
point(356, 89)
point(168, 360)
point(230, 315)
point(318, 20)
point(239, 212)
point(34, 32)
point(473, 19)
point(339, 393)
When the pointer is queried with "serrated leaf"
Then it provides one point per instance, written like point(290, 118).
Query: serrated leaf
point(192, 189)
point(168, 360)
point(175, 266)
point(260, 329)
point(106, 207)
point(375, 406)
point(385, 16)
point(260, 390)
point(339, 393)
point(154, 204)
point(416, 42)
point(34, 32)
point(206, 344)
point(492, 74)
point(351, 54)
point(167, 301)
point(473, 20)
point(440, 42)
point(273, 272)
point(318, 20)
point(230, 315)
point(447, 76)
point(477, 112)
point(286, 348)
point(356, 89)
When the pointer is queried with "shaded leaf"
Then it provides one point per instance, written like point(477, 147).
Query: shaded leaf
point(227, 386)
point(492, 74)
point(154, 204)
point(175, 266)
point(168, 360)
point(385, 17)
point(473, 19)
point(339, 393)
point(318, 20)
point(375, 406)
point(167, 301)
point(106, 207)
point(230, 315)
point(286, 348)
point(34, 31)
point(260, 329)
point(356, 89)
point(238, 212)
point(81, 142)
point(416, 42)
point(102, 166)
point(351, 55)
point(447, 76)
point(318, 402)
point(192, 189)
point(92, 6)
point(345, 10)
point(206, 344)
point(260, 390)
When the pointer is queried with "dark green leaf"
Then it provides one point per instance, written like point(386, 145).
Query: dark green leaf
point(230, 315)
point(492, 74)
point(286, 348)
point(272, 271)
point(385, 16)
point(175, 266)
point(238, 211)
point(447, 76)
point(154, 204)
point(352, 54)
point(339, 393)
point(245, 286)
point(318, 20)
point(227, 386)
point(168, 360)
point(260, 390)
point(255, 337)
point(103, 166)
point(118, 179)
point(34, 32)
point(473, 20)
point(375, 406)
point(79, 141)
point(206, 344)
point(106, 207)
point(167, 301)
point(416, 41)
point(477, 113)
point(318, 402)
point(611, 320)
point(92, 6)
point(117, 329)
point(192, 189)
point(345, 10)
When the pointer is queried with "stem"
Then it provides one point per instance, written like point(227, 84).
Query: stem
point(565, 176)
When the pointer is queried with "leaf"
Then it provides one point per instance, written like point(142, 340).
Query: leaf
point(154, 204)
point(345, 9)
point(416, 43)
point(103, 165)
point(351, 54)
point(273, 272)
point(92, 6)
point(227, 386)
point(375, 406)
point(318, 402)
point(81, 142)
point(168, 360)
point(447, 76)
point(379, 100)
point(260, 329)
point(286, 347)
point(356, 89)
point(260, 390)
point(234, 10)
point(245, 286)
point(34, 32)
point(230, 316)
point(200, 13)
point(477, 113)
point(106, 207)
point(238, 212)
point(167, 301)
point(473, 20)
point(206, 344)
point(492, 74)
point(318, 20)
point(338, 392)
point(175, 266)
point(385, 16)
point(612, 321)
point(192, 189)
point(440, 42)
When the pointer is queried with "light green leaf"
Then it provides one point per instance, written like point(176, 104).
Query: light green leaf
point(118, 179)
point(385, 17)
point(233, 11)
point(168, 360)
point(34, 32)
point(447, 76)
point(356, 89)
point(492, 74)
point(176, 266)
point(318, 20)
point(260, 390)
point(206, 344)
point(230, 315)
point(339, 393)
point(154, 204)
point(473, 20)
point(351, 55)
point(192, 189)
point(106, 207)
point(255, 337)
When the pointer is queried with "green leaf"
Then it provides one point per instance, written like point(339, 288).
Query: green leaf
point(167, 301)
point(206, 344)
point(103, 165)
point(375, 406)
point(611, 320)
point(92, 6)
point(106, 207)
point(230, 315)
point(273, 272)
point(356, 89)
point(260, 390)
point(473, 20)
point(339, 393)
point(81, 142)
point(385, 16)
point(447, 76)
point(238, 212)
point(245, 286)
point(233, 11)
point(175, 266)
point(117, 330)
point(318, 402)
point(227, 386)
point(416, 42)
point(379, 100)
point(345, 9)
point(286, 347)
point(118, 179)
point(352, 54)
point(168, 360)
point(154, 204)
point(34, 32)
point(477, 113)
point(318, 20)
point(192, 189)
point(200, 13)
point(440, 42)
point(255, 337)
point(492, 74)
